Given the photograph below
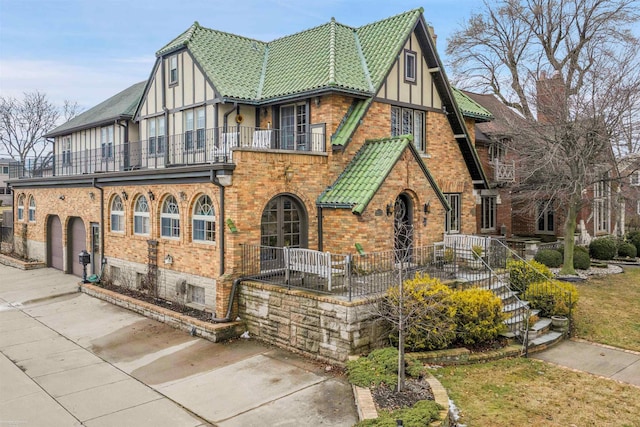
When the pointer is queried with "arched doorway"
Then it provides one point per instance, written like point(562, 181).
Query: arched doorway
point(403, 227)
point(76, 242)
point(54, 243)
point(284, 223)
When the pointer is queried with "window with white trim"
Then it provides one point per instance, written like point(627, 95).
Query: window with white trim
point(156, 144)
point(106, 140)
point(638, 207)
point(634, 178)
point(66, 150)
point(5, 170)
point(204, 220)
point(21, 207)
point(173, 70)
point(601, 196)
point(294, 127)
point(194, 129)
point(117, 215)
point(406, 121)
point(141, 216)
point(170, 218)
point(545, 216)
point(32, 209)
point(497, 151)
point(489, 212)
point(410, 66)
point(452, 218)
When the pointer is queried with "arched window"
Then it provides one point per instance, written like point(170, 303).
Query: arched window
point(204, 220)
point(284, 223)
point(21, 207)
point(32, 209)
point(170, 218)
point(117, 215)
point(141, 216)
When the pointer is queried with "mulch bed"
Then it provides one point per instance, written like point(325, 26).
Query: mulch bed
point(389, 399)
point(202, 315)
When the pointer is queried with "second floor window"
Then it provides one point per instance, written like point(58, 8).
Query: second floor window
point(66, 151)
point(170, 218)
point(497, 151)
point(106, 139)
point(117, 215)
point(293, 127)
point(194, 129)
point(405, 121)
point(638, 207)
point(634, 179)
point(156, 136)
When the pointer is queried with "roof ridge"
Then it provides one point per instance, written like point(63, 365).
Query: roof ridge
point(332, 51)
point(407, 12)
point(263, 72)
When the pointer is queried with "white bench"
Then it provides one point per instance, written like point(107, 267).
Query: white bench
point(462, 244)
point(313, 262)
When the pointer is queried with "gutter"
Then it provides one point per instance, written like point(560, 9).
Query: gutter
point(101, 189)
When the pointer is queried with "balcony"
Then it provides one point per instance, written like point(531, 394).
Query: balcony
point(190, 148)
point(503, 171)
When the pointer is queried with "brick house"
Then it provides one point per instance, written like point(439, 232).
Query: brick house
point(322, 139)
point(500, 211)
point(630, 190)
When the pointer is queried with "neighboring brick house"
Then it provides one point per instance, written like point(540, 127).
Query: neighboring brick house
point(499, 211)
point(630, 190)
point(5, 190)
point(302, 141)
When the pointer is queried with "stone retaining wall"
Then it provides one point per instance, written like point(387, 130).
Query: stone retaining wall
point(316, 326)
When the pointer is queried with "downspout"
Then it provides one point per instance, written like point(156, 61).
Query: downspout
point(320, 240)
point(214, 180)
point(96, 186)
point(125, 144)
point(225, 120)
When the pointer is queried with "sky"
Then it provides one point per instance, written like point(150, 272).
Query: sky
point(86, 51)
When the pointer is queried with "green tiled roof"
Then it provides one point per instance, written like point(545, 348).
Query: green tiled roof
point(328, 57)
point(350, 121)
point(120, 106)
point(471, 108)
point(363, 176)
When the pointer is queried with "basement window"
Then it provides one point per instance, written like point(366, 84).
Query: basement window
point(195, 294)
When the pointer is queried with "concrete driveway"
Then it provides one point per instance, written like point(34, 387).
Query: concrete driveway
point(69, 359)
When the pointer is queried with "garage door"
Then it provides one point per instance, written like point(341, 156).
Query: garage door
point(54, 242)
point(77, 242)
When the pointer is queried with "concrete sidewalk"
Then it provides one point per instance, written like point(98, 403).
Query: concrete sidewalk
point(69, 359)
point(604, 361)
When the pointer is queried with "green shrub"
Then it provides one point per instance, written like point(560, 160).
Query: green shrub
point(627, 249)
point(552, 297)
point(422, 414)
point(479, 315)
point(381, 366)
point(582, 249)
point(634, 238)
point(604, 248)
point(549, 257)
point(523, 273)
point(581, 260)
point(432, 315)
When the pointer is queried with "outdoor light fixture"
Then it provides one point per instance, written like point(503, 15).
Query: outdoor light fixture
point(288, 173)
point(124, 195)
point(92, 196)
point(183, 195)
point(61, 197)
point(150, 194)
point(168, 259)
point(317, 101)
point(427, 207)
point(389, 209)
point(84, 258)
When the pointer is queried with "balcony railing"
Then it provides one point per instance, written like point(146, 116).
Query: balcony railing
point(504, 171)
point(190, 148)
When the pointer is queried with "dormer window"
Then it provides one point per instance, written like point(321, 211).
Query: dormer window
point(409, 66)
point(173, 70)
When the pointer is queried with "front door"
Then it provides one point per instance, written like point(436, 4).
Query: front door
point(76, 242)
point(403, 228)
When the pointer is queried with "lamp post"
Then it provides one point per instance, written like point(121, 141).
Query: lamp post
point(84, 258)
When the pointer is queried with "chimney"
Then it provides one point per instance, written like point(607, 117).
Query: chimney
point(432, 33)
point(551, 101)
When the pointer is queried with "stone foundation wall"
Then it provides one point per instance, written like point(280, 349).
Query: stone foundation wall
point(317, 326)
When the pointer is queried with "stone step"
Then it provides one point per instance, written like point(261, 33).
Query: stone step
point(545, 340)
point(508, 308)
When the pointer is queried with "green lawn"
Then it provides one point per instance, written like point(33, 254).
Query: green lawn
point(608, 311)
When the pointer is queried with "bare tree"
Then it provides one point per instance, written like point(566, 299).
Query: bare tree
point(571, 68)
point(24, 122)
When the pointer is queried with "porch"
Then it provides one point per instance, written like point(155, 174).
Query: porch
point(202, 146)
